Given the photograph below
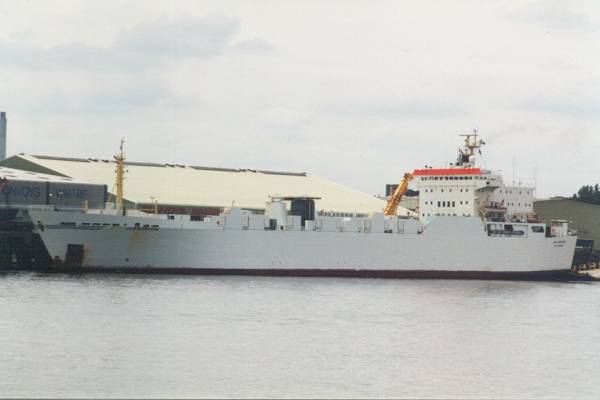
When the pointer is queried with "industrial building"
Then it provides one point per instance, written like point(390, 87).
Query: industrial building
point(200, 191)
point(20, 189)
point(583, 217)
point(19, 246)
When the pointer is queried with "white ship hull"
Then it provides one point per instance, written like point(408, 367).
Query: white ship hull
point(449, 246)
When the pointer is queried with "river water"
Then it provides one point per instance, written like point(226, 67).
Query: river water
point(110, 335)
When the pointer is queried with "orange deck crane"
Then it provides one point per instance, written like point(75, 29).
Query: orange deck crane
point(394, 201)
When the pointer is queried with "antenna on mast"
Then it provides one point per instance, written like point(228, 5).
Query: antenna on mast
point(513, 175)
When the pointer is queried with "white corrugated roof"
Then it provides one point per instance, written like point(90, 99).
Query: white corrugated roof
point(19, 175)
point(212, 187)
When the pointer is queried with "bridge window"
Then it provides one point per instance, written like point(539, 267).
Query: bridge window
point(537, 229)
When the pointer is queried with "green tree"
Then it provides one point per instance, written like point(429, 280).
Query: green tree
point(588, 194)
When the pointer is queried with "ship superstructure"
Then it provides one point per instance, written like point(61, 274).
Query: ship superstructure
point(467, 227)
point(464, 189)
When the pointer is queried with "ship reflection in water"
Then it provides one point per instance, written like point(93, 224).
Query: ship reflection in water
point(105, 335)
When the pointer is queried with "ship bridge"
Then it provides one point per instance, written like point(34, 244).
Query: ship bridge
point(464, 189)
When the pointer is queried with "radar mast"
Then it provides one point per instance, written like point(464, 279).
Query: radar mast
point(466, 154)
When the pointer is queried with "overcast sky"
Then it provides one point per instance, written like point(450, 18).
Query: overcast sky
point(358, 92)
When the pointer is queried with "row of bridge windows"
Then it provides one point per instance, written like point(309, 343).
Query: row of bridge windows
point(447, 203)
point(448, 215)
point(442, 190)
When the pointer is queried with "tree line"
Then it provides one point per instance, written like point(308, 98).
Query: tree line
point(588, 194)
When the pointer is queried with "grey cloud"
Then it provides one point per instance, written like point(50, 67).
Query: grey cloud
point(556, 14)
point(21, 34)
point(143, 46)
point(72, 56)
point(395, 109)
point(103, 101)
point(576, 108)
point(253, 46)
point(139, 96)
point(184, 37)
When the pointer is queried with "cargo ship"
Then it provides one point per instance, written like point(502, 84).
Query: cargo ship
point(468, 224)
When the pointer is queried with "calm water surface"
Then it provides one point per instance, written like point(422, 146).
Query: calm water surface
point(164, 336)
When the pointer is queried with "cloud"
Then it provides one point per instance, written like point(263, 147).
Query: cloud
point(183, 38)
point(281, 116)
point(394, 109)
point(110, 99)
point(556, 15)
point(146, 45)
point(575, 108)
point(72, 56)
point(252, 46)
point(579, 100)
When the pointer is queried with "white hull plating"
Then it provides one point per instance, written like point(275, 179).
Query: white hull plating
point(446, 244)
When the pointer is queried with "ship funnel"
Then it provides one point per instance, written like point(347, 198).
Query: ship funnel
point(2, 135)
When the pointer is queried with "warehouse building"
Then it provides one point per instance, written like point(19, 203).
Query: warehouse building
point(20, 189)
point(200, 191)
point(19, 246)
point(583, 217)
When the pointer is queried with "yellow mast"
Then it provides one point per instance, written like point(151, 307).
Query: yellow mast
point(120, 159)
